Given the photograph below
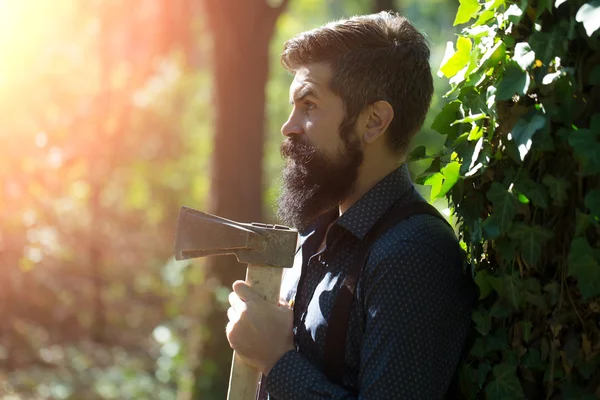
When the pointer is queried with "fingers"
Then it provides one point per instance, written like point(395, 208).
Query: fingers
point(233, 315)
point(237, 303)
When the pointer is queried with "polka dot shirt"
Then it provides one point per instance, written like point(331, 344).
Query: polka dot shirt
point(411, 312)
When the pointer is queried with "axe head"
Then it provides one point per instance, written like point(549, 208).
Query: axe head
point(200, 234)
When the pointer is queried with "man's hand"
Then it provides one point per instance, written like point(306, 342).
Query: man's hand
point(260, 332)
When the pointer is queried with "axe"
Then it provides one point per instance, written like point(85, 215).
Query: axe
point(265, 248)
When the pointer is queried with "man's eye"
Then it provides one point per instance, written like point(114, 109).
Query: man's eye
point(308, 105)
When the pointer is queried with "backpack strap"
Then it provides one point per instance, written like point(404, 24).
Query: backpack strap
point(337, 326)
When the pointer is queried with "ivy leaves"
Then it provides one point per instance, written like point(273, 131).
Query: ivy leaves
point(523, 131)
point(505, 206)
point(454, 61)
point(584, 265)
point(524, 56)
point(521, 170)
point(467, 10)
point(515, 81)
point(586, 146)
point(532, 240)
point(589, 15)
point(505, 385)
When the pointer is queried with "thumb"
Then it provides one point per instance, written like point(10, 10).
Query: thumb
point(245, 291)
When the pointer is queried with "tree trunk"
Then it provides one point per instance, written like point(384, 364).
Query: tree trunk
point(241, 35)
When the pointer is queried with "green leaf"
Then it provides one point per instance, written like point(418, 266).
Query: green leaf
point(526, 327)
point(477, 32)
point(506, 248)
point(498, 284)
point(482, 283)
point(532, 293)
point(533, 359)
point(493, 55)
point(592, 202)
point(589, 15)
point(510, 357)
point(544, 140)
point(497, 341)
point(470, 119)
point(532, 240)
point(571, 391)
point(523, 131)
point(584, 265)
point(467, 10)
point(475, 134)
point(524, 56)
point(587, 368)
point(595, 76)
point(482, 372)
point(459, 59)
point(490, 97)
point(478, 348)
point(514, 14)
point(582, 222)
point(513, 290)
point(491, 227)
point(542, 6)
point(586, 145)
point(417, 154)
point(451, 173)
point(484, 17)
point(483, 321)
point(557, 187)
point(505, 385)
point(515, 81)
point(435, 181)
point(551, 77)
point(548, 45)
point(595, 122)
point(446, 117)
point(500, 310)
point(505, 205)
point(536, 192)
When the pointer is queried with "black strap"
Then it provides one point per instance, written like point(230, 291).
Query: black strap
point(337, 326)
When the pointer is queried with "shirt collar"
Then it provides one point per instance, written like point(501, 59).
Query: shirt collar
point(362, 215)
point(317, 229)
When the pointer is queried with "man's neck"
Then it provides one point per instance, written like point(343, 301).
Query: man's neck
point(368, 176)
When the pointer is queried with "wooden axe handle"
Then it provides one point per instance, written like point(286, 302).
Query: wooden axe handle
point(243, 379)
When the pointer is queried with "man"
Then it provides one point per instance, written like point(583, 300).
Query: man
point(360, 92)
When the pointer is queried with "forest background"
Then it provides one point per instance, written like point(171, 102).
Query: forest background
point(113, 116)
point(115, 113)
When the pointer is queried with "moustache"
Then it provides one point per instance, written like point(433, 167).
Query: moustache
point(297, 151)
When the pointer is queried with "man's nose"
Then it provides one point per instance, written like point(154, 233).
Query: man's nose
point(291, 127)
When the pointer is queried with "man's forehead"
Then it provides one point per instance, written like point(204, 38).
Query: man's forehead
point(314, 76)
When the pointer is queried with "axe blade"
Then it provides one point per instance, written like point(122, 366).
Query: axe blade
point(200, 234)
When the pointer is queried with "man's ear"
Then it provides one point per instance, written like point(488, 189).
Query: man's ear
point(379, 117)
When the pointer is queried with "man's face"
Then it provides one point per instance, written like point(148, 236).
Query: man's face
point(322, 158)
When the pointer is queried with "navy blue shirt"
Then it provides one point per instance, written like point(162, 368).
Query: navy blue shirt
point(411, 312)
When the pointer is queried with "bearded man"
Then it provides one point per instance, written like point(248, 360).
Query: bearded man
point(363, 315)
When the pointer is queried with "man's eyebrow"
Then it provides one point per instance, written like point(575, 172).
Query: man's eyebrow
point(302, 93)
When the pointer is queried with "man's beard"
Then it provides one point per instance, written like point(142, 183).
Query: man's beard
point(314, 182)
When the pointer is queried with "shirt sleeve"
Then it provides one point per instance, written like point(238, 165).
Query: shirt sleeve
point(417, 306)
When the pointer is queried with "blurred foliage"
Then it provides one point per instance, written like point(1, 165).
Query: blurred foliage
point(107, 123)
point(521, 170)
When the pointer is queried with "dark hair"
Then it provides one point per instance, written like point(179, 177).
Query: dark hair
point(373, 57)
